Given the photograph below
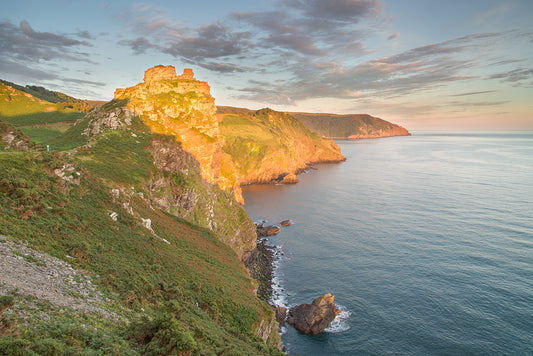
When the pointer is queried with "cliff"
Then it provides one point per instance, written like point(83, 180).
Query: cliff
point(183, 107)
point(175, 182)
point(125, 214)
point(350, 127)
point(267, 144)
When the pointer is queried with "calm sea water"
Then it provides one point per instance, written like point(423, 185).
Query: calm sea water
point(426, 242)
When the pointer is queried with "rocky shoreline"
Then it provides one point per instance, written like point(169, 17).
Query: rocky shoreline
point(262, 269)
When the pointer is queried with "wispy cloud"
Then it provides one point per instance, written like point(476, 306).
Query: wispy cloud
point(475, 93)
point(24, 43)
point(139, 45)
point(393, 36)
point(515, 75)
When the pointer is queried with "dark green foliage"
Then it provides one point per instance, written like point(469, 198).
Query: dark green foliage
point(131, 164)
point(52, 96)
point(115, 103)
point(6, 301)
point(42, 118)
point(15, 347)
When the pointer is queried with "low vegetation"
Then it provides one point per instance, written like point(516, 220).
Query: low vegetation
point(172, 287)
point(253, 137)
point(349, 126)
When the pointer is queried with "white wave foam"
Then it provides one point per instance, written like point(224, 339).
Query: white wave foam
point(279, 295)
point(340, 323)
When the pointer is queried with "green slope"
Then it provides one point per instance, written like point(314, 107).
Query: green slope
point(39, 119)
point(63, 204)
point(266, 143)
point(349, 126)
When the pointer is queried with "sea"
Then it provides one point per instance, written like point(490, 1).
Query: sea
point(426, 242)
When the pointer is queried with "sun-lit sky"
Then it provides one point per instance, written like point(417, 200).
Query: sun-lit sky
point(423, 64)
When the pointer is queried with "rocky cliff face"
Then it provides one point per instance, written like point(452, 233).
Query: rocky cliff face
point(266, 145)
point(176, 184)
point(183, 107)
point(350, 127)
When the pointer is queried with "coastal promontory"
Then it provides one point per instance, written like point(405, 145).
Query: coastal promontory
point(350, 127)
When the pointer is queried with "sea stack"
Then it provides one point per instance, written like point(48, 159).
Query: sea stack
point(315, 317)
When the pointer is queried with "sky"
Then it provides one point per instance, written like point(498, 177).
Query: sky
point(423, 64)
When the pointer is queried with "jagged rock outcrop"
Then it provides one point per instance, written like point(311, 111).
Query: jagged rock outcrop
point(313, 318)
point(101, 119)
point(350, 127)
point(201, 203)
point(183, 106)
point(290, 179)
point(268, 331)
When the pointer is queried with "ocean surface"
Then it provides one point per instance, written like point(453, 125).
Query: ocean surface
point(426, 242)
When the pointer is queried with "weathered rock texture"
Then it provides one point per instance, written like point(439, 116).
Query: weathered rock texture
point(202, 203)
point(350, 127)
point(313, 318)
point(183, 106)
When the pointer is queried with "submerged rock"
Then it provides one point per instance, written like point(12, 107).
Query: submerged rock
point(263, 231)
point(285, 223)
point(313, 318)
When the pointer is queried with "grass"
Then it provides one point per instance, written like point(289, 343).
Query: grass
point(43, 118)
point(207, 306)
point(42, 134)
point(252, 137)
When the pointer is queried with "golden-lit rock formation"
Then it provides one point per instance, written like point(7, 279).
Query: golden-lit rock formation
point(183, 106)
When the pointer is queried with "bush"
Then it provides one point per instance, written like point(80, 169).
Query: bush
point(5, 302)
point(15, 347)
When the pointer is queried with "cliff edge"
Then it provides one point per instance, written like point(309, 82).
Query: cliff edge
point(267, 145)
point(350, 127)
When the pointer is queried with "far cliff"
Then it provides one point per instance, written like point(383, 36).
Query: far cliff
point(350, 127)
point(267, 145)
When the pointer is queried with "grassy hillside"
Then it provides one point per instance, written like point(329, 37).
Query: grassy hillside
point(39, 119)
point(266, 143)
point(171, 286)
point(64, 101)
point(349, 126)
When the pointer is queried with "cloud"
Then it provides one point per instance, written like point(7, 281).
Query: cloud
point(298, 29)
point(160, 33)
point(477, 103)
point(416, 70)
point(475, 93)
point(336, 10)
point(208, 41)
point(82, 81)
point(19, 70)
point(224, 67)
point(85, 34)
point(23, 43)
point(393, 36)
point(515, 75)
point(139, 45)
